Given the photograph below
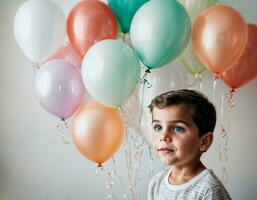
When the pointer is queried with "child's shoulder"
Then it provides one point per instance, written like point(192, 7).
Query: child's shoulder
point(211, 179)
point(160, 176)
point(214, 187)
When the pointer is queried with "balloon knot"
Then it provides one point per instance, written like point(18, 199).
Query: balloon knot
point(148, 71)
point(218, 76)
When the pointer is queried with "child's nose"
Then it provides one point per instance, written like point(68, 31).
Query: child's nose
point(165, 137)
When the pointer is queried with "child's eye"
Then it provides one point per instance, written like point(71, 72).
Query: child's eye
point(178, 129)
point(157, 128)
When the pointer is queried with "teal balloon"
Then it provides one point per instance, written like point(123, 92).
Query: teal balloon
point(125, 10)
point(110, 72)
point(160, 31)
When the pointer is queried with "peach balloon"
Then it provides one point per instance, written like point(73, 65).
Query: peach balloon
point(245, 69)
point(97, 131)
point(219, 37)
point(66, 52)
point(89, 22)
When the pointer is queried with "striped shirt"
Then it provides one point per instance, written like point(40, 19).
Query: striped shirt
point(204, 186)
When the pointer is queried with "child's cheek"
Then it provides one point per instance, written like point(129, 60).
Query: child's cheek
point(155, 143)
point(188, 146)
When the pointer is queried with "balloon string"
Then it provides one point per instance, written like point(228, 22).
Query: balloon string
point(224, 138)
point(223, 154)
point(62, 126)
point(124, 196)
point(214, 88)
point(230, 98)
point(151, 174)
point(109, 183)
point(222, 101)
point(144, 80)
point(36, 67)
point(129, 167)
point(138, 155)
point(197, 79)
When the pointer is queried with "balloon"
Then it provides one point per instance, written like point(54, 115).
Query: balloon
point(59, 88)
point(219, 37)
point(245, 69)
point(188, 59)
point(97, 132)
point(39, 28)
point(125, 10)
point(162, 80)
point(246, 8)
point(67, 53)
point(110, 71)
point(90, 22)
point(159, 32)
point(195, 7)
point(131, 113)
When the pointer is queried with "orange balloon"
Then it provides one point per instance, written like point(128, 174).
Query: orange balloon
point(97, 132)
point(219, 37)
point(89, 22)
point(245, 69)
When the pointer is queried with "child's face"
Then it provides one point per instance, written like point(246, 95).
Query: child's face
point(176, 138)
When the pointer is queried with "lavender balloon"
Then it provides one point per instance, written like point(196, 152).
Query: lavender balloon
point(59, 88)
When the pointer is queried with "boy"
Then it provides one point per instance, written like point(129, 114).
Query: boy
point(183, 122)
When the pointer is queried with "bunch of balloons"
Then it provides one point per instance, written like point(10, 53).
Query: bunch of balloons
point(226, 47)
point(96, 60)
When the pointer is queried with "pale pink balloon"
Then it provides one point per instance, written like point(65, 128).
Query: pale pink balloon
point(66, 52)
point(59, 88)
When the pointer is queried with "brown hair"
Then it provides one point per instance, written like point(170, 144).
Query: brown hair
point(203, 111)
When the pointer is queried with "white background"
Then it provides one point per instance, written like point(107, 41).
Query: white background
point(36, 165)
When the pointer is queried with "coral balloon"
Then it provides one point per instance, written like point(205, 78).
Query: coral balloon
point(67, 53)
point(89, 22)
point(59, 88)
point(219, 37)
point(245, 69)
point(97, 132)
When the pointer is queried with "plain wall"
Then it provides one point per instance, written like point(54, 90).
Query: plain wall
point(36, 165)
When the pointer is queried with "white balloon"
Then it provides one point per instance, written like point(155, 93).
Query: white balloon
point(169, 77)
point(39, 28)
point(137, 117)
point(195, 7)
point(132, 111)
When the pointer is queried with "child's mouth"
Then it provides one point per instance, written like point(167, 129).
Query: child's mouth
point(166, 150)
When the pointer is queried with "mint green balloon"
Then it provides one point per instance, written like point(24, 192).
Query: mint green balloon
point(159, 32)
point(188, 59)
point(125, 10)
point(110, 72)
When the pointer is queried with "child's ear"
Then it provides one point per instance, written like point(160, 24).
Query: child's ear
point(206, 141)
